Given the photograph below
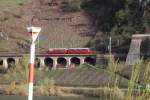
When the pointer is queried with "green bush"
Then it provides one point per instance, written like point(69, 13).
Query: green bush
point(4, 4)
point(71, 5)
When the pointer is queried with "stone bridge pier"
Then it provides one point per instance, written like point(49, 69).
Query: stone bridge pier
point(134, 54)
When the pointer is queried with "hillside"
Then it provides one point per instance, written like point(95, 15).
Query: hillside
point(59, 29)
point(72, 23)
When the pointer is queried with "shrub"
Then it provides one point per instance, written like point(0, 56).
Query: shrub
point(71, 5)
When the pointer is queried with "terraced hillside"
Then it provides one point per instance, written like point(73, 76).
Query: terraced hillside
point(59, 28)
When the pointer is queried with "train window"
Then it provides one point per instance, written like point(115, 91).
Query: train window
point(80, 48)
point(60, 49)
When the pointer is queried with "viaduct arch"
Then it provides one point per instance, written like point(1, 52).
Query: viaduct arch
point(49, 61)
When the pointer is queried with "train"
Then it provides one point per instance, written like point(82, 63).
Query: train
point(69, 51)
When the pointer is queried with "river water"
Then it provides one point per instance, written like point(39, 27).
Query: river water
point(7, 97)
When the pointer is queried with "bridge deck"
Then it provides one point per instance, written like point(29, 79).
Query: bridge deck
point(45, 55)
point(137, 36)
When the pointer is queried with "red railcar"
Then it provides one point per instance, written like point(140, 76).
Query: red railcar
point(69, 51)
point(79, 51)
point(57, 51)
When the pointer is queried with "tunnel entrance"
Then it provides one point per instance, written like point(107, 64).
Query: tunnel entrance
point(11, 62)
point(61, 63)
point(90, 60)
point(49, 63)
point(75, 62)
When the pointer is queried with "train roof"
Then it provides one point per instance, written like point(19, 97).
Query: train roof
point(65, 48)
point(78, 48)
point(57, 48)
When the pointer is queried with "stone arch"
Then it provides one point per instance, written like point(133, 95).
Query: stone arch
point(61, 62)
point(37, 63)
point(48, 62)
point(1, 62)
point(11, 62)
point(75, 61)
point(90, 60)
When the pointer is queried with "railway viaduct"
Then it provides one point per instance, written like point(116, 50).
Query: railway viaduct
point(53, 61)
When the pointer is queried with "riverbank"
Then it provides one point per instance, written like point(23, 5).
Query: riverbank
point(108, 93)
point(58, 91)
